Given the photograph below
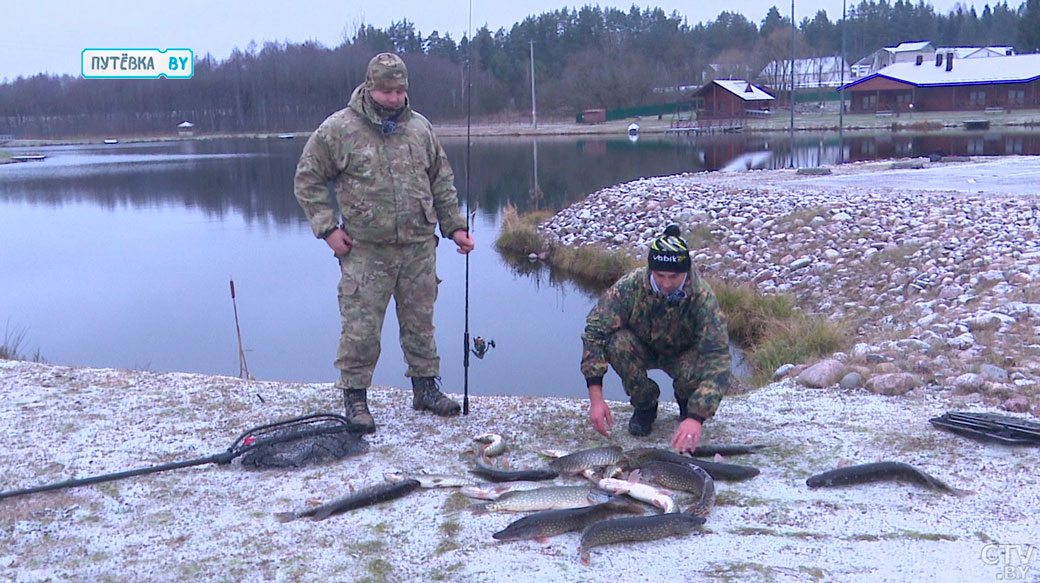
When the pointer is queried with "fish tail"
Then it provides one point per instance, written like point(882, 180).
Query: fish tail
point(285, 516)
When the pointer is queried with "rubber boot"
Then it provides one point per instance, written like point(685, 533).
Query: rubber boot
point(427, 396)
point(355, 401)
point(682, 408)
point(642, 421)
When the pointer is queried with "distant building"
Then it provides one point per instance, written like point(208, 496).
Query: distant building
point(909, 52)
point(947, 83)
point(733, 98)
point(808, 73)
point(185, 128)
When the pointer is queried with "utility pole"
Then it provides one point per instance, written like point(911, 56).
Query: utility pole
point(792, 83)
point(534, 103)
point(841, 101)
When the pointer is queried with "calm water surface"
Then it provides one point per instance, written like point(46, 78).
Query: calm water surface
point(120, 256)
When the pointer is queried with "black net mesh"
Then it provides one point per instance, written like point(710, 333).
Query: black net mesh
point(305, 441)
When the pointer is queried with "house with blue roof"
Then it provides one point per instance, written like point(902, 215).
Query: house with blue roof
point(949, 84)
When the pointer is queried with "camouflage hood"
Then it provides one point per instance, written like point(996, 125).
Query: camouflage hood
point(361, 101)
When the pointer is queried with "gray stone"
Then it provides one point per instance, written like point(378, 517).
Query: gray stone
point(801, 262)
point(969, 382)
point(853, 380)
point(782, 371)
point(993, 373)
point(962, 342)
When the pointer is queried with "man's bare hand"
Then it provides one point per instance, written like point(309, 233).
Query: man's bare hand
point(339, 241)
point(687, 435)
point(599, 411)
point(464, 240)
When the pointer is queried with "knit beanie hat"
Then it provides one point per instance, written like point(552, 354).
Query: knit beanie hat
point(386, 72)
point(669, 252)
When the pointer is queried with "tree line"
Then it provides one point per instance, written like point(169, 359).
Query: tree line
point(583, 58)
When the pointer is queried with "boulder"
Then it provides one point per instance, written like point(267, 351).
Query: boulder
point(822, 374)
point(893, 384)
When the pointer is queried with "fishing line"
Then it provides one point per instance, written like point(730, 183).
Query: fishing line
point(469, 206)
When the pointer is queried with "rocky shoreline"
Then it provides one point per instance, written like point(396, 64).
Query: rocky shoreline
point(935, 266)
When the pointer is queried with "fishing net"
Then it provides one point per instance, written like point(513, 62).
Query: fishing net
point(306, 441)
point(296, 442)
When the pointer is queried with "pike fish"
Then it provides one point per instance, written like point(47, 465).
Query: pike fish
point(642, 492)
point(495, 444)
point(430, 480)
point(364, 497)
point(493, 490)
point(688, 478)
point(548, 498)
point(713, 450)
point(879, 471)
point(635, 528)
point(496, 475)
point(718, 471)
point(542, 525)
point(597, 457)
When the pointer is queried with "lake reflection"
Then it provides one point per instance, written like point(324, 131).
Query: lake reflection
point(120, 256)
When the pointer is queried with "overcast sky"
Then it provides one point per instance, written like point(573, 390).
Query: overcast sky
point(48, 36)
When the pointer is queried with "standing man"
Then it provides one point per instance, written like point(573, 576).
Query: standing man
point(661, 316)
point(393, 185)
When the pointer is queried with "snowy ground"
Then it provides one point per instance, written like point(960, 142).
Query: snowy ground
point(214, 523)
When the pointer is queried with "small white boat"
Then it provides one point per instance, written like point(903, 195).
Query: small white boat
point(633, 129)
point(29, 157)
point(111, 141)
point(286, 136)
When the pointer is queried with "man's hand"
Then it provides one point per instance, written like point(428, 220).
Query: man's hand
point(687, 435)
point(339, 241)
point(599, 411)
point(463, 239)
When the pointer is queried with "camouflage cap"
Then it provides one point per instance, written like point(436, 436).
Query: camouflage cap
point(386, 72)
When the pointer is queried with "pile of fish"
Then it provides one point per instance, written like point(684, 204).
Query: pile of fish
point(640, 495)
point(620, 484)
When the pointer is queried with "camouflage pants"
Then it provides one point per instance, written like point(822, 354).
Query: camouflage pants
point(371, 274)
point(631, 359)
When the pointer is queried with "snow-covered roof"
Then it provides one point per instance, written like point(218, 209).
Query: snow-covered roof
point(739, 87)
point(975, 52)
point(910, 47)
point(1013, 69)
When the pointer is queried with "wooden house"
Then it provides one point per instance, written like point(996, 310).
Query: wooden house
point(733, 98)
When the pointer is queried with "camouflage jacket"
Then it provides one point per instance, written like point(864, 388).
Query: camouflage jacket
point(390, 188)
point(693, 323)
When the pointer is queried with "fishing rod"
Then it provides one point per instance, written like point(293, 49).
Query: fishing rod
point(469, 206)
point(243, 368)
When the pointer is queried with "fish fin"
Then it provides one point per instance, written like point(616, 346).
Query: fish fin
point(284, 516)
point(842, 463)
point(633, 476)
point(542, 539)
point(479, 509)
point(583, 556)
point(718, 458)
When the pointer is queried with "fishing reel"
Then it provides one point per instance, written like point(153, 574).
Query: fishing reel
point(481, 346)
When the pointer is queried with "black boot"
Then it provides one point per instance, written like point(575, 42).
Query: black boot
point(642, 421)
point(683, 409)
point(427, 396)
point(355, 401)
